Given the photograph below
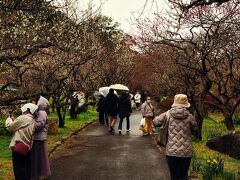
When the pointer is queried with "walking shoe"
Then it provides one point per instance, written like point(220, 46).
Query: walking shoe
point(128, 130)
point(112, 129)
point(119, 132)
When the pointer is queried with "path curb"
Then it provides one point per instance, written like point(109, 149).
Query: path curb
point(51, 151)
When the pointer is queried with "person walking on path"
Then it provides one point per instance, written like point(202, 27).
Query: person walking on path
point(124, 111)
point(23, 128)
point(180, 125)
point(148, 113)
point(111, 108)
point(137, 99)
point(39, 157)
point(100, 109)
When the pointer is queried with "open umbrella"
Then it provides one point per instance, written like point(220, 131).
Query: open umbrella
point(105, 90)
point(119, 87)
point(32, 107)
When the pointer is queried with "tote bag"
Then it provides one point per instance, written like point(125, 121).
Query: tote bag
point(163, 134)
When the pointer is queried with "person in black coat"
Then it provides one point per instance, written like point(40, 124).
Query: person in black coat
point(124, 110)
point(100, 109)
point(111, 109)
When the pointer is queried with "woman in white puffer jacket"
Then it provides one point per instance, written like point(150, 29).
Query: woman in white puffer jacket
point(179, 146)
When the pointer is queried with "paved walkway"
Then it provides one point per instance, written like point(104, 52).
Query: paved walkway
point(96, 155)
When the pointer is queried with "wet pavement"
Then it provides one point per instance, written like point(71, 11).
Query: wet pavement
point(94, 154)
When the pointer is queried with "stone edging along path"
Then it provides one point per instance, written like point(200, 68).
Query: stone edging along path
point(51, 151)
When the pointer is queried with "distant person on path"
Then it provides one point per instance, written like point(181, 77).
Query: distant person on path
point(111, 108)
point(125, 110)
point(23, 128)
point(148, 113)
point(180, 125)
point(39, 157)
point(100, 109)
point(144, 95)
point(74, 106)
point(137, 99)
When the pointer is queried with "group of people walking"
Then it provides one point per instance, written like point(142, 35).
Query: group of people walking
point(111, 107)
point(28, 143)
point(29, 146)
point(179, 121)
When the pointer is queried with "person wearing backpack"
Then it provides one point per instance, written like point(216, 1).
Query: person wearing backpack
point(180, 123)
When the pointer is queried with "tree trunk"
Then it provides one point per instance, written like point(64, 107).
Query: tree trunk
point(228, 119)
point(60, 118)
point(64, 112)
point(53, 107)
point(199, 132)
point(198, 115)
point(202, 107)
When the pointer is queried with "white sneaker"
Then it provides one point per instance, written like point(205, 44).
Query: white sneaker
point(128, 130)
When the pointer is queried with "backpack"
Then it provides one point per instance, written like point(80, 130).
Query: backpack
point(163, 134)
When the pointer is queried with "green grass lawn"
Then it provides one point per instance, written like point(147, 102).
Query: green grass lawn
point(203, 153)
point(71, 125)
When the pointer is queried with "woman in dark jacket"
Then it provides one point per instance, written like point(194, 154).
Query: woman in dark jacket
point(100, 109)
point(111, 108)
point(124, 110)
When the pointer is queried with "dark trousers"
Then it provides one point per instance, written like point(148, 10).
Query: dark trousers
point(121, 121)
point(21, 166)
point(106, 119)
point(101, 117)
point(178, 167)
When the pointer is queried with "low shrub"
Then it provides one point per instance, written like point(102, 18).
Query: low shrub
point(211, 134)
point(196, 165)
point(228, 175)
point(213, 168)
point(236, 120)
point(52, 125)
point(3, 130)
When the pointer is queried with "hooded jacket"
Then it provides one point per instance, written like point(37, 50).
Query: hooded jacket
point(23, 128)
point(181, 122)
point(41, 124)
point(124, 107)
point(111, 104)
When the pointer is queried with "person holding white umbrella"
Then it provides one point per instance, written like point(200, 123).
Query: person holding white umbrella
point(21, 142)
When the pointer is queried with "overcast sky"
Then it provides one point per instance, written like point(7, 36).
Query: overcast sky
point(124, 11)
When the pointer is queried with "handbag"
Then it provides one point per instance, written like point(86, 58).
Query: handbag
point(21, 148)
point(142, 122)
point(163, 132)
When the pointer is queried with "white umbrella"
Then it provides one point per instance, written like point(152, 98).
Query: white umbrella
point(105, 90)
point(32, 107)
point(119, 87)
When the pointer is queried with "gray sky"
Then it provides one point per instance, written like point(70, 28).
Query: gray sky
point(125, 11)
